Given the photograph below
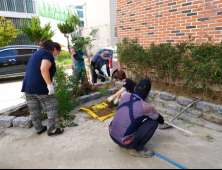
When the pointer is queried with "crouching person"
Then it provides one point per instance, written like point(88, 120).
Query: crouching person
point(135, 121)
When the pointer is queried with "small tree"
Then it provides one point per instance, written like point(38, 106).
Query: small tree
point(35, 32)
point(66, 29)
point(71, 26)
point(7, 32)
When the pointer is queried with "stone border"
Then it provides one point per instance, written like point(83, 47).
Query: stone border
point(24, 122)
point(201, 113)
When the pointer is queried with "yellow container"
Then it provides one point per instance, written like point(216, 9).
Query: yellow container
point(96, 107)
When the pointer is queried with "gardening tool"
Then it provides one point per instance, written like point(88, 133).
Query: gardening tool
point(169, 124)
point(164, 126)
point(169, 160)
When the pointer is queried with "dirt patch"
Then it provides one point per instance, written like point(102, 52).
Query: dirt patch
point(87, 89)
point(211, 96)
point(19, 112)
point(105, 111)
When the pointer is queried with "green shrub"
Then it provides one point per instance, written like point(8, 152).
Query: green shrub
point(199, 64)
point(67, 102)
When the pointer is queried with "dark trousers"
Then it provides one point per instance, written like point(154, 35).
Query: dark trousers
point(95, 76)
point(142, 136)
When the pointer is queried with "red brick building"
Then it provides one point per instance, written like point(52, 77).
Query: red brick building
point(162, 21)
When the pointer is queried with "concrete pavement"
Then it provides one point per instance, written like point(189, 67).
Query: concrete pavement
point(89, 146)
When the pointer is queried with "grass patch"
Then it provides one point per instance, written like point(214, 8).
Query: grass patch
point(209, 137)
point(64, 58)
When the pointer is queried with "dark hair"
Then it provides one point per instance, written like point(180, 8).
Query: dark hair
point(120, 75)
point(57, 46)
point(143, 87)
point(50, 45)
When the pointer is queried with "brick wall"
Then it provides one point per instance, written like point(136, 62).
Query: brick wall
point(162, 21)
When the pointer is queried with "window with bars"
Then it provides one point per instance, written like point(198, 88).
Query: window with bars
point(2, 5)
point(10, 5)
point(17, 6)
point(20, 7)
point(115, 31)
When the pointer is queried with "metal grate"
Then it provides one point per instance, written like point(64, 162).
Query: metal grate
point(25, 6)
point(2, 5)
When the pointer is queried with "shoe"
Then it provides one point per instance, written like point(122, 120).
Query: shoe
point(144, 153)
point(57, 132)
point(43, 130)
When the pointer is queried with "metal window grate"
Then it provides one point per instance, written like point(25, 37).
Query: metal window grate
point(20, 6)
point(10, 5)
point(2, 5)
point(25, 6)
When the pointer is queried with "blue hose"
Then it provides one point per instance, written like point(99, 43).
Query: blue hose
point(169, 161)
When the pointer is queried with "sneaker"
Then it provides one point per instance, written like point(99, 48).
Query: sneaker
point(144, 153)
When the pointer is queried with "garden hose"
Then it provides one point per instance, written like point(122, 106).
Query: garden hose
point(169, 161)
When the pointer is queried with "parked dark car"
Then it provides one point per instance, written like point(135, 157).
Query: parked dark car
point(14, 60)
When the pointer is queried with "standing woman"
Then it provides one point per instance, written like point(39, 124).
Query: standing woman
point(38, 86)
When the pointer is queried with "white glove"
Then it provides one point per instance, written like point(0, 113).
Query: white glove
point(50, 88)
point(110, 99)
point(97, 72)
point(116, 101)
point(54, 84)
point(86, 60)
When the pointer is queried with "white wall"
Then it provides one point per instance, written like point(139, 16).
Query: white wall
point(100, 14)
point(58, 37)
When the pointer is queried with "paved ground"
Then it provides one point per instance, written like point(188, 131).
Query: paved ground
point(89, 146)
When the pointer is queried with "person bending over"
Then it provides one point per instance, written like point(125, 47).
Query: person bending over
point(128, 86)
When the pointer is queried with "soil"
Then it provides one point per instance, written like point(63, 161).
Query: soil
point(87, 89)
point(106, 111)
point(19, 112)
point(212, 97)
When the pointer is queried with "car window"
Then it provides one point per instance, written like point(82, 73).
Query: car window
point(25, 51)
point(6, 53)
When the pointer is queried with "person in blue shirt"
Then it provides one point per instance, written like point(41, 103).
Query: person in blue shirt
point(79, 71)
point(100, 59)
point(38, 86)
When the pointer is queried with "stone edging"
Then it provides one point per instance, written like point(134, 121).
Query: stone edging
point(25, 122)
point(201, 113)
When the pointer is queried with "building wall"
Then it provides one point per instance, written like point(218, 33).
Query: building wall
point(172, 21)
point(97, 15)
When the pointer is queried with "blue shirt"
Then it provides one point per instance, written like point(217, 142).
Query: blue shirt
point(99, 62)
point(80, 64)
point(33, 82)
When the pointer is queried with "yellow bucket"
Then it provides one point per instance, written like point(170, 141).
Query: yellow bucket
point(96, 107)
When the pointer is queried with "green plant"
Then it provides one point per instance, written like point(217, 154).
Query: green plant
point(35, 32)
point(66, 29)
point(8, 32)
point(67, 102)
point(209, 137)
point(104, 90)
point(183, 65)
point(179, 118)
point(190, 126)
